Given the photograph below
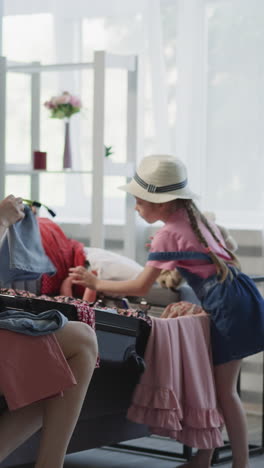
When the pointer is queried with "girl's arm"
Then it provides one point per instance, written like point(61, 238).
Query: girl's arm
point(136, 287)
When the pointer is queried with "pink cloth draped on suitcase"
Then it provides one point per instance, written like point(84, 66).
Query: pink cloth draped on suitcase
point(176, 394)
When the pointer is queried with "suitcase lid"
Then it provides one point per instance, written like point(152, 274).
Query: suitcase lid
point(117, 323)
point(35, 306)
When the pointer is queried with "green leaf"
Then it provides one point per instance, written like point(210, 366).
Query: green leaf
point(63, 111)
point(108, 151)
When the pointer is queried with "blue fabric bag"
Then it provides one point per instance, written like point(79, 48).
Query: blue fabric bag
point(22, 256)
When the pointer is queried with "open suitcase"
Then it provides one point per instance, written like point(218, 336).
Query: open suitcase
point(120, 338)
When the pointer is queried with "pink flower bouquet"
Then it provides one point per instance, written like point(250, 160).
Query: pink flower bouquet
point(63, 106)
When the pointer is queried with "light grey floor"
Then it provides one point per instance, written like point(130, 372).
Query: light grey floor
point(100, 458)
point(108, 458)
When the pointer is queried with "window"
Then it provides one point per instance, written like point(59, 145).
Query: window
point(235, 115)
point(214, 122)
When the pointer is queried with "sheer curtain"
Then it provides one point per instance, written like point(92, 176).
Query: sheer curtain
point(191, 90)
point(201, 79)
point(235, 95)
point(74, 33)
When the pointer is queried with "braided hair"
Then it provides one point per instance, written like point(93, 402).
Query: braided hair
point(221, 267)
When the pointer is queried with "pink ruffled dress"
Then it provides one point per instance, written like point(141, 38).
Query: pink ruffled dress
point(176, 394)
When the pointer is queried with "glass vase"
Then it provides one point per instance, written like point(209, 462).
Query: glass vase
point(67, 154)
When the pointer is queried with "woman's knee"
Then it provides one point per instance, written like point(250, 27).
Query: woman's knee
point(87, 337)
point(83, 332)
point(75, 337)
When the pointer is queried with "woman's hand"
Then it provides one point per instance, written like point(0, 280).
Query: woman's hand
point(11, 210)
point(83, 277)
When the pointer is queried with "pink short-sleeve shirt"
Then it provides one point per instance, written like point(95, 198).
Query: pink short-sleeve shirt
point(177, 236)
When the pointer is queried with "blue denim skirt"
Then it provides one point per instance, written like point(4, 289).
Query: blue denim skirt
point(236, 308)
point(237, 316)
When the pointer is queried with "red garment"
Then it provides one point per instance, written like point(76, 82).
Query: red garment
point(64, 254)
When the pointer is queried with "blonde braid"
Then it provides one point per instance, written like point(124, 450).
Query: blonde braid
point(234, 260)
point(193, 212)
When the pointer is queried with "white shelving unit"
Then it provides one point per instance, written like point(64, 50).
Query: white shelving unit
point(101, 166)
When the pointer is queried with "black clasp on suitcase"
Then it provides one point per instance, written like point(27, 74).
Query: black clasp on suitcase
point(133, 360)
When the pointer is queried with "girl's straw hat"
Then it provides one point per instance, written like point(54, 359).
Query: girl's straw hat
point(160, 178)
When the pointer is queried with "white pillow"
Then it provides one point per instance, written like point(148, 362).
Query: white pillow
point(110, 265)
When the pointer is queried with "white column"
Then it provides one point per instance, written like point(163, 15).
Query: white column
point(97, 226)
point(1, 26)
point(191, 89)
point(158, 76)
point(2, 106)
point(35, 127)
point(130, 229)
point(2, 125)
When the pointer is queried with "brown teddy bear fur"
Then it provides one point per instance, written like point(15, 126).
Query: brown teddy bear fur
point(170, 279)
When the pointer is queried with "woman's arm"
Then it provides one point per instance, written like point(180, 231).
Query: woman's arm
point(11, 211)
point(136, 287)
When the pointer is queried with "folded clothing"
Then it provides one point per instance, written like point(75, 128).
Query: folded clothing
point(178, 309)
point(32, 324)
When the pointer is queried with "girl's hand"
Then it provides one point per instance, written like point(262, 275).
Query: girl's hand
point(11, 210)
point(83, 277)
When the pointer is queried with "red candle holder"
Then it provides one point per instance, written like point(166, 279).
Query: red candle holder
point(40, 160)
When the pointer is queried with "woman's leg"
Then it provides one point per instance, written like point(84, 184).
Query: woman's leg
point(17, 426)
point(59, 415)
point(226, 377)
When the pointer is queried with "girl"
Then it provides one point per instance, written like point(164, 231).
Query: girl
point(74, 350)
point(188, 242)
